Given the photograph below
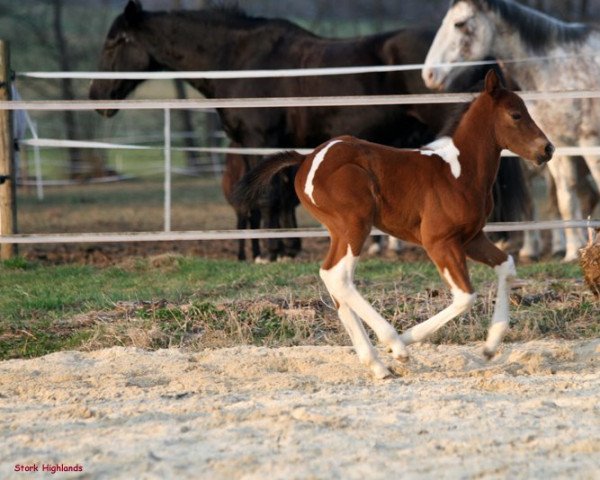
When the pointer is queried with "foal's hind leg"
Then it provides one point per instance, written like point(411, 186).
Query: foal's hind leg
point(338, 275)
point(482, 250)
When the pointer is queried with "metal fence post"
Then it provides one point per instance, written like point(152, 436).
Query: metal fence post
point(167, 226)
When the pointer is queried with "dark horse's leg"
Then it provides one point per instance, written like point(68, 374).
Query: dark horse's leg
point(511, 200)
point(242, 222)
point(254, 225)
point(269, 214)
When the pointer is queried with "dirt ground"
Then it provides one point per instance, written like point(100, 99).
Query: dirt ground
point(313, 249)
point(305, 412)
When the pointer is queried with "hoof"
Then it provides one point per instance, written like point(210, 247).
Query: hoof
point(528, 259)
point(374, 249)
point(399, 352)
point(261, 261)
point(488, 354)
point(380, 372)
point(402, 358)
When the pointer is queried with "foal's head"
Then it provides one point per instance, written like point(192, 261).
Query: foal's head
point(122, 52)
point(514, 129)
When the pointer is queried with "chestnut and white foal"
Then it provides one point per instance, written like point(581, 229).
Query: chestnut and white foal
point(438, 197)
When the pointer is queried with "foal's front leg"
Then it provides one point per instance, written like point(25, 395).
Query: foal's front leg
point(482, 250)
point(450, 260)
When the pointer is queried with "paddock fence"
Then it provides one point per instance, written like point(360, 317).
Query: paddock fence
point(167, 106)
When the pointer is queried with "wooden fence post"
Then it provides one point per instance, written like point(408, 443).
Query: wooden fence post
point(8, 213)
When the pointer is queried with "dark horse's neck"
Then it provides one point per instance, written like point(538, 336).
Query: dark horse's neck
point(209, 39)
point(475, 139)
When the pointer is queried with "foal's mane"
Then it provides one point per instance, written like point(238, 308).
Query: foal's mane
point(455, 115)
point(538, 30)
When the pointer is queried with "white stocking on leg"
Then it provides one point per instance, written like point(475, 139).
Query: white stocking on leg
point(500, 319)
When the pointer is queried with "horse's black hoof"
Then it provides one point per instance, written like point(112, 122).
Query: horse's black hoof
point(488, 354)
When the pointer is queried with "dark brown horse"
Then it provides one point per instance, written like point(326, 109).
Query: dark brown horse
point(438, 196)
point(226, 39)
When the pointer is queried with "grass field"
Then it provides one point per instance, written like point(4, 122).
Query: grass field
point(204, 298)
point(172, 300)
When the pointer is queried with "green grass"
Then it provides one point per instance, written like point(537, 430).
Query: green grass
point(183, 301)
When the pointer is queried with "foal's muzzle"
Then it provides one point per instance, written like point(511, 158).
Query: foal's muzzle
point(547, 155)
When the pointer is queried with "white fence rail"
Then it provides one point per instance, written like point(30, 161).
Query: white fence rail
point(118, 237)
point(285, 102)
point(274, 102)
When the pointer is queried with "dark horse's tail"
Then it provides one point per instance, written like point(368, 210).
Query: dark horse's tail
point(512, 199)
point(256, 182)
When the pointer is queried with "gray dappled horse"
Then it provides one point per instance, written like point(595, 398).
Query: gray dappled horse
point(567, 59)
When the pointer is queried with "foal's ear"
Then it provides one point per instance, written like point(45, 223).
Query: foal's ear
point(133, 12)
point(492, 83)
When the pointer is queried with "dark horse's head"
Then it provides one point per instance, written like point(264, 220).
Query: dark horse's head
point(122, 52)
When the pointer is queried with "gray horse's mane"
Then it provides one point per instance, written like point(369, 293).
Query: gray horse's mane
point(538, 30)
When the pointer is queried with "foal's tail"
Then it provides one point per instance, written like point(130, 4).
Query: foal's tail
point(256, 182)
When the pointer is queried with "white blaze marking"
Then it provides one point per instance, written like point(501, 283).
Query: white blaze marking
point(445, 149)
point(317, 160)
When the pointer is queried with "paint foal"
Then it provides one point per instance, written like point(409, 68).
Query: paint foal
point(438, 197)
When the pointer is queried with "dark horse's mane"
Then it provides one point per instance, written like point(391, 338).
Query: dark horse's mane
point(470, 81)
point(538, 30)
point(455, 115)
point(233, 15)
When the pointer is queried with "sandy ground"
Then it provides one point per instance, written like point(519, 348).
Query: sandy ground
point(305, 412)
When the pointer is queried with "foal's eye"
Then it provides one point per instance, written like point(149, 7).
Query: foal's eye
point(516, 116)
point(460, 25)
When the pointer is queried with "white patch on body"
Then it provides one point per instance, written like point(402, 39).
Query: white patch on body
point(461, 302)
point(317, 160)
point(445, 149)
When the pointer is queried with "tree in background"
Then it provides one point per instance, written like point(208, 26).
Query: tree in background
point(49, 35)
point(67, 91)
point(67, 35)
